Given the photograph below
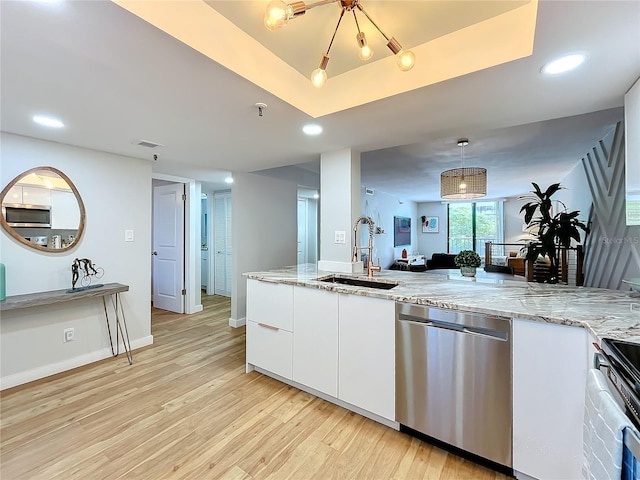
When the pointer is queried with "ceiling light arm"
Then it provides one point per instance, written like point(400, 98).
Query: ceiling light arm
point(334, 32)
point(372, 23)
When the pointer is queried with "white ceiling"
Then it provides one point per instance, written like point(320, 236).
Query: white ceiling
point(115, 79)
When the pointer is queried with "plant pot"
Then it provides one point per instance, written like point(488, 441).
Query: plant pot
point(468, 271)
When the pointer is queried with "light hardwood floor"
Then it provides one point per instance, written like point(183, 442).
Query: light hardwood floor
point(187, 410)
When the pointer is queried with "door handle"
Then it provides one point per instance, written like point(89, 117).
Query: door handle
point(154, 253)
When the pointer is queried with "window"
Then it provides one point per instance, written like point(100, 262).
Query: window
point(472, 224)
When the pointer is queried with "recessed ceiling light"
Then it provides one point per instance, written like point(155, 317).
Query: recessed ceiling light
point(228, 180)
point(48, 121)
point(316, 196)
point(312, 129)
point(563, 64)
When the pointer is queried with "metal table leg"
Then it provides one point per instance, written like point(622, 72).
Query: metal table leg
point(119, 313)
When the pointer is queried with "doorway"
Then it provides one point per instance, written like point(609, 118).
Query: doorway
point(168, 246)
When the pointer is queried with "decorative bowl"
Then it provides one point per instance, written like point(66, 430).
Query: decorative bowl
point(634, 283)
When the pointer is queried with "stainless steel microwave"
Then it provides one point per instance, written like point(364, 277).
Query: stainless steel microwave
point(22, 215)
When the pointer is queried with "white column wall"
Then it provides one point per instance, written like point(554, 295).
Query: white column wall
point(339, 208)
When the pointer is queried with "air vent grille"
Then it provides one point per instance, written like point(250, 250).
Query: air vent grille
point(146, 143)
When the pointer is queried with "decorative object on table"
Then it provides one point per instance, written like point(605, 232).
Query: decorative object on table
point(278, 14)
point(84, 269)
point(463, 182)
point(634, 283)
point(430, 224)
point(553, 231)
point(3, 283)
point(404, 253)
point(468, 261)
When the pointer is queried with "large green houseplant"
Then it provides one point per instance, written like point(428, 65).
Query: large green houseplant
point(555, 230)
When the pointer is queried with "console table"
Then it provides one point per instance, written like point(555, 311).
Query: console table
point(411, 259)
point(112, 290)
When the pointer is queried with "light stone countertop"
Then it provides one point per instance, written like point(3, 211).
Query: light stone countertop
point(605, 313)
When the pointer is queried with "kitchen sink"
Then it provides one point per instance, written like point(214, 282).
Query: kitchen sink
point(360, 282)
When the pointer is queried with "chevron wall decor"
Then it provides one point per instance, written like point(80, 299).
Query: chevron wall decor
point(612, 249)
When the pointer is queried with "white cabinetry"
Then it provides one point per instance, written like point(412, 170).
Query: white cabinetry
point(65, 213)
point(28, 195)
point(367, 354)
point(549, 378)
point(270, 327)
point(315, 339)
point(36, 196)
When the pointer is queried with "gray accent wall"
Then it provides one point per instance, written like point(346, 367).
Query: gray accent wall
point(612, 249)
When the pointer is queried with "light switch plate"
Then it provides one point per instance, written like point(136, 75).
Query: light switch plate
point(341, 237)
point(128, 235)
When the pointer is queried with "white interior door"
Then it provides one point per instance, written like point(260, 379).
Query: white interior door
point(222, 244)
point(168, 247)
point(302, 231)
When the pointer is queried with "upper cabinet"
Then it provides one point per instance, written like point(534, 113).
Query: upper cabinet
point(42, 208)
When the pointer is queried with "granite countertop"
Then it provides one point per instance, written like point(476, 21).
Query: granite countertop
point(605, 313)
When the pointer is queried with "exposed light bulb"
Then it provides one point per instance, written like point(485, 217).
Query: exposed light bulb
point(277, 15)
point(365, 52)
point(319, 77)
point(406, 60)
point(462, 187)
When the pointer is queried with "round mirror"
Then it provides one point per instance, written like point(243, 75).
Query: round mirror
point(42, 209)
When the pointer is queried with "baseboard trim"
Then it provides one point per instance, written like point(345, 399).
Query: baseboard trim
point(236, 323)
point(47, 370)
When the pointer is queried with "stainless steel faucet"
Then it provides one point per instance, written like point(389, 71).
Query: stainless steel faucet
point(370, 266)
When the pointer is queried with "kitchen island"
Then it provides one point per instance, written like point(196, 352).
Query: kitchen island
point(604, 313)
point(338, 342)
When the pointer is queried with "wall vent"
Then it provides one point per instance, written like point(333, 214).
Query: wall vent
point(146, 143)
point(369, 191)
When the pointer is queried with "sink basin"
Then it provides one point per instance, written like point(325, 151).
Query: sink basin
point(360, 282)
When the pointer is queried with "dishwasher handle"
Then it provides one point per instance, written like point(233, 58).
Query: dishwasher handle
point(483, 332)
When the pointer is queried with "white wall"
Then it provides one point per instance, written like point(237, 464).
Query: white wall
point(116, 192)
point(430, 243)
point(264, 231)
point(382, 207)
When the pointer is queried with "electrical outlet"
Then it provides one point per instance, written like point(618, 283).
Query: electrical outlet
point(340, 237)
point(69, 334)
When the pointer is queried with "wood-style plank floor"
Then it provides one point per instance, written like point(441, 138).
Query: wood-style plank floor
point(187, 410)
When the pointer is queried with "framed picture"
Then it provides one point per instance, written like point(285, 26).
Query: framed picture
point(431, 225)
point(401, 231)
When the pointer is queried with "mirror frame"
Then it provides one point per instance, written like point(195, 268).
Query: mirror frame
point(23, 240)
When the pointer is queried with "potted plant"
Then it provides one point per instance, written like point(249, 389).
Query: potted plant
point(554, 230)
point(468, 261)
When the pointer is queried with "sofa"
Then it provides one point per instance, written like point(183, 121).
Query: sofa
point(441, 260)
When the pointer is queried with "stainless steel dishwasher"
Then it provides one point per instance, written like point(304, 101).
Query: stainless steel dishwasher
point(453, 379)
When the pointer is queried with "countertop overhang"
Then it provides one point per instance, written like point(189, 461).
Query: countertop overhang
point(605, 313)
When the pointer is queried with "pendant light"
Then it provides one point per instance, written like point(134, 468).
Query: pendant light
point(463, 182)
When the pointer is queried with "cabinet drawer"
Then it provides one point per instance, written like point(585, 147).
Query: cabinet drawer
point(270, 304)
point(270, 348)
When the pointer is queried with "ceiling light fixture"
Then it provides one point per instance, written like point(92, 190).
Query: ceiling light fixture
point(228, 180)
point(463, 182)
point(279, 13)
point(563, 64)
point(312, 129)
point(47, 121)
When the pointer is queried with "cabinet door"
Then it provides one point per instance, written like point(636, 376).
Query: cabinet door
point(270, 348)
point(270, 304)
point(65, 213)
point(366, 352)
point(36, 196)
point(315, 339)
point(14, 195)
point(549, 379)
